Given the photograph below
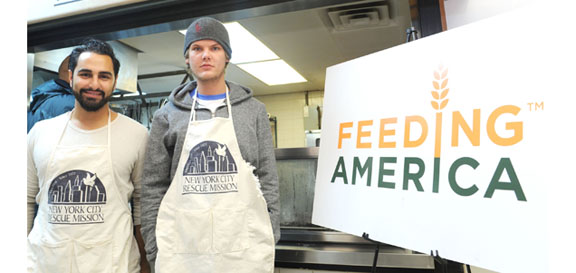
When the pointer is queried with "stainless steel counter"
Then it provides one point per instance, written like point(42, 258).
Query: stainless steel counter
point(333, 250)
point(297, 153)
point(297, 175)
point(304, 245)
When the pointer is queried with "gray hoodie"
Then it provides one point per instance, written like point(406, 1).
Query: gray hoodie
point(166, 139)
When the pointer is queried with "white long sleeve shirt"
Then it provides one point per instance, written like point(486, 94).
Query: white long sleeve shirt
point(128, 145)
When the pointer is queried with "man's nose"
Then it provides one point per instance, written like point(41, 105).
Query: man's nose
point(94, 83)
point(206, 54)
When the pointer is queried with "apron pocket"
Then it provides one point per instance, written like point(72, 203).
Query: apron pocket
point(49, 257)
point(94, 257)
point(193, 232)
point(230, 230)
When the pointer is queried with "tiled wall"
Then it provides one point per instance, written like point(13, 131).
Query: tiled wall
point(289, 112)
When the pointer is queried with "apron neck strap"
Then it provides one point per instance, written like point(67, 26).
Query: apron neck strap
point(109, 129)
point(195, 98)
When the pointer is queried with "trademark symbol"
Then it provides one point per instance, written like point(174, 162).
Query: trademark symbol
point(536, 106)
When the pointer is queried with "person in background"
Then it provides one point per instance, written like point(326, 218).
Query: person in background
point(84, 167)
point(210, 187)
point(51, 98)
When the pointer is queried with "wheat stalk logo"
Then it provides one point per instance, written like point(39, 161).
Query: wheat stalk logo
point(440, 84)
point(440, 91)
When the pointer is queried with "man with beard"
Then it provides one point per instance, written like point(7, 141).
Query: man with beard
point(84, 169)
point(210, 186)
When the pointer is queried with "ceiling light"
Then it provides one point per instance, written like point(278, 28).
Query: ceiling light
point(273, 72)
point(246, 48)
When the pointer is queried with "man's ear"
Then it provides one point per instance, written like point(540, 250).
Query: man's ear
point(70, 77)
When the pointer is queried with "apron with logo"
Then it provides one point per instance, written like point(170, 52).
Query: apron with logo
point(83, 223)
point(213, 218)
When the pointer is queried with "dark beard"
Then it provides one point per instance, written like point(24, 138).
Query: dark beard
point(91, 105)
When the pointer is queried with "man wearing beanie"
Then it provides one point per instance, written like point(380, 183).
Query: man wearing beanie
point(210, 187)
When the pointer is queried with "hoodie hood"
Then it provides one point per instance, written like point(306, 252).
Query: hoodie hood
point(47, 90)
point(180, 96)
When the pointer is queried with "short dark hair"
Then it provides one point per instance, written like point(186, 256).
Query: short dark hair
point(96, 46)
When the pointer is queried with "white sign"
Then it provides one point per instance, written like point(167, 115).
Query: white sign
point(461, 142)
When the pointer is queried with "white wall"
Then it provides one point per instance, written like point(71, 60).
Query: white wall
point(461, 12)
point(44, 10)
point(289, 111)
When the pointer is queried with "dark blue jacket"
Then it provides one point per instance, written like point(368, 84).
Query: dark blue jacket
point(50, 99)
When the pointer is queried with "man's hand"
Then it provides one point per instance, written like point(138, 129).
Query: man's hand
point(144, 265)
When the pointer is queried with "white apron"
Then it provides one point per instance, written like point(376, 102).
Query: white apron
point(213, 218)
point(83, 223)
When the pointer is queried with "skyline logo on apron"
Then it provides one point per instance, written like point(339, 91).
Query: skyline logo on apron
point(210, 168)
point(76, 197)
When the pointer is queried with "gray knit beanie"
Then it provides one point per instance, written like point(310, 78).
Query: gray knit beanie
point(206, 28)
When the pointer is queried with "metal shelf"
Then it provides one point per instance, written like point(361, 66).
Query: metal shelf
point(333, 250)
